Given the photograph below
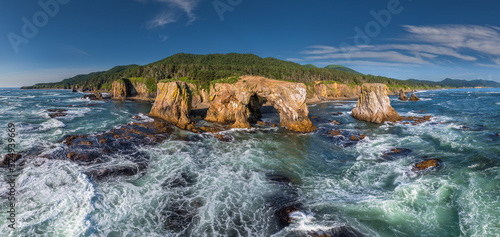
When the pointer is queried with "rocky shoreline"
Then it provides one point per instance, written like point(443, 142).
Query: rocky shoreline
point(234, 105)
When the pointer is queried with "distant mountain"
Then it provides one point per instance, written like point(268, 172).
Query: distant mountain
point(448, 82)
point(342, 68)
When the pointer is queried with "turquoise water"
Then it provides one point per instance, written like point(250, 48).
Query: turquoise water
point(228, 190)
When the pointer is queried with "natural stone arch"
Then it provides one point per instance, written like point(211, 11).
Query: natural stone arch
point(240, 103)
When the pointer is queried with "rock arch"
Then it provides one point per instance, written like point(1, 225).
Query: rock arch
point(240, 103)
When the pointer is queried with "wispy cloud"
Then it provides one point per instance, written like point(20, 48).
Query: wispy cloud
point(482, 39)
point(429, 45)
point(172, 11)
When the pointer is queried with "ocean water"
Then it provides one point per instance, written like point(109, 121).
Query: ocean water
point(229, 191)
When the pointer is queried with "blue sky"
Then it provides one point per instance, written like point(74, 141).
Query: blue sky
point(397, 38)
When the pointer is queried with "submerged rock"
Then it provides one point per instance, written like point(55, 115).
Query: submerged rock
point(239, 103)
point(283, 214)
point(426, 164)
point(335, 122)
point(343, 231)
point(402, 95)
point(414, 97)
point(374, 105)
point(54, 113)
point(395, 153)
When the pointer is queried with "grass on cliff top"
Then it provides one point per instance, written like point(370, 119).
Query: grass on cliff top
point(204, 85)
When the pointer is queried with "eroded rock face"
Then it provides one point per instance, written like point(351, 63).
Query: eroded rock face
point(374, 105)
point(119, 91)
point(240, 103)
point(402, 95)
point(173, 103)
point(414, 97)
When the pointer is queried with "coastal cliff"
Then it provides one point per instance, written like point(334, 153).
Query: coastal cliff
point(135, 88)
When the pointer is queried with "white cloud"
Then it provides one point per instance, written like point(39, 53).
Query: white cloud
point(173, 11)
point(430, 45)
point(482, 39)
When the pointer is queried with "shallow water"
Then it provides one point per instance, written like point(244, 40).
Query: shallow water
point(226, 190)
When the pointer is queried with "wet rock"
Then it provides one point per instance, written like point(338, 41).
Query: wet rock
point(374, 105)
point(223, 137)
point(402, 95)
point(413, 120)
point(54, 113)
point(354, 138)
point(335, 132)
point(335, 122)
point(10, 159)
point(337, 113)
point(273, 125)
point(395, 153)
point(498, 134)
point(261, 123)
point(114, 171)
point(314, 117)
point(179, 214)
point(74, 91)
point(283, 213)
point(426, 164)
point(181, 180)
point(278, 178)
point(414, 97)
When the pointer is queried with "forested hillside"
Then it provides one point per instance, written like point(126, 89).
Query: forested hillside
point(207, 68)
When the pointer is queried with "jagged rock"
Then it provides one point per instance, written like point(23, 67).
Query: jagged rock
point(402, 95)
point(414, 97)
point(173, 103)
point(374, 105)
point(354, 138)
point(395, 153)
point(239, 103)
point(426, 164)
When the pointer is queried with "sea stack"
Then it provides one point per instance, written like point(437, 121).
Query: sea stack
point(374, 105)
point(119, 90)
point(402, 95)
point(239, 103)
point(173, 103)
point(414, 97)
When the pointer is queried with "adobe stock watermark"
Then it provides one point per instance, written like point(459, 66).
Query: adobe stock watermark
point(373, 28)
point(223, 6)
point(11, 176)
point(30, 28)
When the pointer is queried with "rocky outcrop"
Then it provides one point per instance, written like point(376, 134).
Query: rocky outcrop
point(414, 97)
point(96, 95)
point(120, 90)
point(374, 105)
point(173, 103)
point(239, 103)
point(402, 95)
point(426, 164)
